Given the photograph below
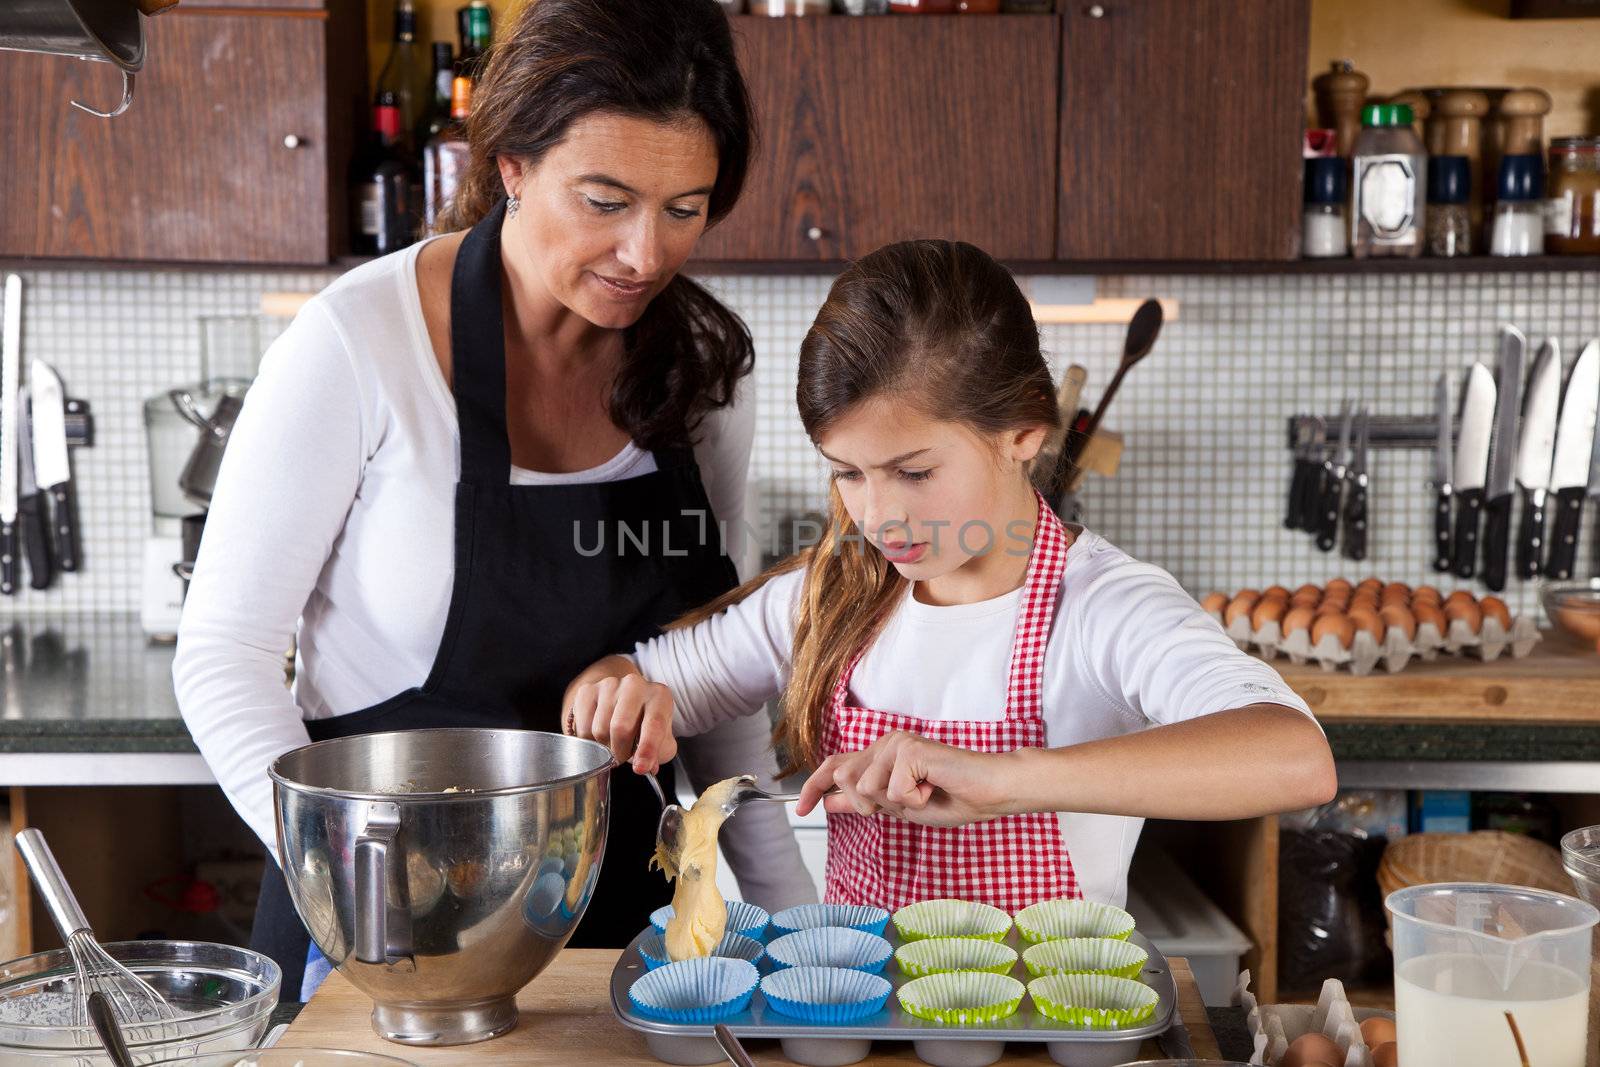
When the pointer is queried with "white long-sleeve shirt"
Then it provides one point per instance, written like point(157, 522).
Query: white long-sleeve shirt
point(333, 519)
point(1128, 649)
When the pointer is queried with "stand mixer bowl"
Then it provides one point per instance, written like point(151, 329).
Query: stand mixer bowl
point(441, 870)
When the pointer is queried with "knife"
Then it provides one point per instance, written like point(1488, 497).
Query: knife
point(1502, 458)
point(1472, 459)
point(1334, 468)
point(1540, 403)
point(50, 461)
point(1576, 452)
point(10, 411)
point(1443, 476)
point(33, 522)
point(1355, 498)
point(1305, 469)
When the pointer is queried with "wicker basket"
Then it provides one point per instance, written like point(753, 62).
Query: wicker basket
point(1485, 856)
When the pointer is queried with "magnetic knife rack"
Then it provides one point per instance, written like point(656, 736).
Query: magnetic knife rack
point(80, 423)
point(1386, 432)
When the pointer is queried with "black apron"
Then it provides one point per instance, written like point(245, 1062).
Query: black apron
point(534, 603)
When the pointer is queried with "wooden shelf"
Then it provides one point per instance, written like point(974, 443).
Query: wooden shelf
point(1556, 683)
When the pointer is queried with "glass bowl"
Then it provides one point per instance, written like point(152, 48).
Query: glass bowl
point(290, 1057)
point(226, 995)
point(1574, 607)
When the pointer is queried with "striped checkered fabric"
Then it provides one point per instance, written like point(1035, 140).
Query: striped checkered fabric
point(1010, 862)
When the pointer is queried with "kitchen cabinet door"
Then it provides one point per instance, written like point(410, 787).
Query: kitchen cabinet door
point(234, 149)
point(880, 129)
point(1181, 127)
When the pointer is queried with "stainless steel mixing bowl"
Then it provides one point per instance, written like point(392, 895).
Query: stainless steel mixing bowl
point(441, 870)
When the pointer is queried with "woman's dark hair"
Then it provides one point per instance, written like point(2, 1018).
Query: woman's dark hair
point(561, 60)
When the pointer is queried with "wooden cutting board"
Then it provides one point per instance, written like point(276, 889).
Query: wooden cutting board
point(566, 1019)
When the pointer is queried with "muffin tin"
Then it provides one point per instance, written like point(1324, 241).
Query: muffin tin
point(837, 1044)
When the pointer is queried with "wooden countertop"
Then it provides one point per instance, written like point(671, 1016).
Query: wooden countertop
point(566, 1018)
point(1556, 683)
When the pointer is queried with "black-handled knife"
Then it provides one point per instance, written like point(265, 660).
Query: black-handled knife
point(1469, 517)
point(1497, 542)
point(1444, 479)
point(1442, 546)
point(33, 521)
point(10, 428)
point(1536, 454)
point(1355, 499)
point(1469, 466)
point(1332, 475)
point(1304, 469)
point(1564, 534)
point(1530, 538)
point(50, 459)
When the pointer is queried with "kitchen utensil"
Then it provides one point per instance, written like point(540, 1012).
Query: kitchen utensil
point(1535, 452)
point(1576, 454)
point(730, 1046)
point(1341, 92)
point(442, 870)
point(1580, 855)
point(199, 476)
point(10, 415)
point(1143, 329)
point(136, 1001)
point(226, 994)
point(1067, 394)
point(1575, 609)
point(1334, 469)
point(1472, 460)
point(1313, 487)
point(1502, 458)
point(105, 30)
point(1305, 470)
point(105, 1025)
point(51, 464)
point(1468, 956)
point(1443, 475)
point(33, 523)
point(1355, 498)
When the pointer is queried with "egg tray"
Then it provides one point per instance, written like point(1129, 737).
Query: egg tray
point(1394, 652)
point(836, 1044)
point(1274, 1026)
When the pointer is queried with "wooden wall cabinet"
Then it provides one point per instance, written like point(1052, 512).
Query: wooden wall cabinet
point(235, 150)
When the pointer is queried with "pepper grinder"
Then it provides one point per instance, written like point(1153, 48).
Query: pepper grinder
point(1341, 93)
point(1455, 128)
point(1515, 127)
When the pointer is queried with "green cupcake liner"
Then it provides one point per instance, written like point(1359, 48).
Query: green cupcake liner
point(951, 918)
point(962, 998)
point(1093, 1001)
point(1054, 920)
point(1086, 955)
point(943, 955)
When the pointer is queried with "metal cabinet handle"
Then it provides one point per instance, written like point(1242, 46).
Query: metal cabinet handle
point(814, 233)
point(293, 140)
point(1095, 11)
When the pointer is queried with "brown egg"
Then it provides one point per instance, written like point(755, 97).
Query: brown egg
point(1397, 589)
point(1240, 605)
point(1368, 620)
point(1306, 600)
point(1429, 613)
point(1460, 596)
point(1330, 608)
point(1297, 619)
point(1467, 611)
point(1267, 609)
point(1337, 624)
point(1395, 598)
point(1374, 584)
point(1215, 601)
point(1276, 591)
point(1399, 617)
point(1426, 592)
point(1307, 590)
point(1378, 1031)
point(1386, 1055)
point(1495, 608)
point(1365, 600)
point(1338, 583)
point(1312, 1050)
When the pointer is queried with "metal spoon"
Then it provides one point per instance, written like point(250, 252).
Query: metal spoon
point(670, 827)
point(105, 1025)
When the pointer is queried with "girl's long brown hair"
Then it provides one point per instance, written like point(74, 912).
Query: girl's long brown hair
point(666, 60)
point(943, 328)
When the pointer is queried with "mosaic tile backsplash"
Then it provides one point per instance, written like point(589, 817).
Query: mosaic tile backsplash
point(1205, 469)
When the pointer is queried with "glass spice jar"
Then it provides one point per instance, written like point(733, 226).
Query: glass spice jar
point(1572, 212)
point(1449, 216)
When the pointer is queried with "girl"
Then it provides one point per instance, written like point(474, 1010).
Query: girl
point(999, 698)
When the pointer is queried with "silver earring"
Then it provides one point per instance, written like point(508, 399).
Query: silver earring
point(513, 205)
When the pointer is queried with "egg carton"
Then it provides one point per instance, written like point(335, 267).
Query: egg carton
point(1489, 642)
point(1273, 1027)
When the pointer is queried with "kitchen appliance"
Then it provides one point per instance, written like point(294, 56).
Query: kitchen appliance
point(1490, 974)
point(1471, 463)
point(442, 870)
point(1535, 453)
point(1575, 470)
point(108, 31)
point(1502, 458)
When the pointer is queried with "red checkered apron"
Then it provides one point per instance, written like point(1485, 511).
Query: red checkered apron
point(1009, 862)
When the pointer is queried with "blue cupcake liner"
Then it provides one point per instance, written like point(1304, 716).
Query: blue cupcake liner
point(653, 947)
point(704, 990)
point(809, 916)
point(831, 946)
point(825, 994)
point(746, 919)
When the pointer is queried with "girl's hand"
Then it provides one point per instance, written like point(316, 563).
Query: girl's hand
point(612, 703)
point(912, 778)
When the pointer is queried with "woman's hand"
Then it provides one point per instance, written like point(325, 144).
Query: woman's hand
point(614, 704)
point(912, 778)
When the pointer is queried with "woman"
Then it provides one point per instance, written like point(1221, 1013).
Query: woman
point(592, 387)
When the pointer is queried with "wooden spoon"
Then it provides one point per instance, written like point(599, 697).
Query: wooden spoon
point(1143, 329)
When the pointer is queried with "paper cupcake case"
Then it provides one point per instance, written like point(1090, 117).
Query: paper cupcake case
point(825, 994)
point(1086, 955)
point(1093, 1001)
point(1054, 920)
point(951, 918)
point(653, 948)
point(962, 998)
point(942, 955)
point(830, 946)
point(705, 990)
point(746, 919)
point(810, 916)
